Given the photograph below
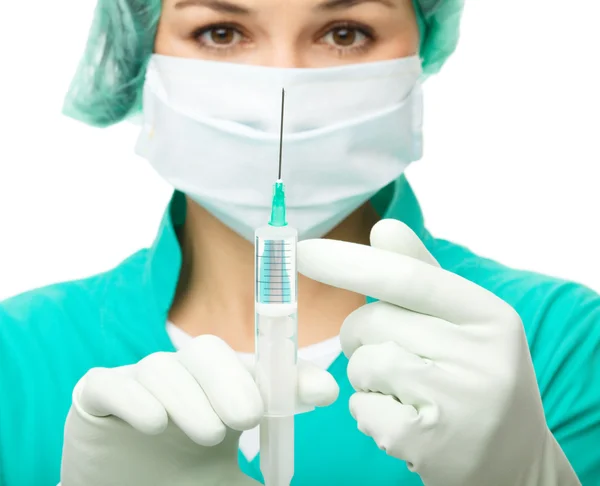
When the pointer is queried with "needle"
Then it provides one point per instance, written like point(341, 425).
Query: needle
point(281, 130)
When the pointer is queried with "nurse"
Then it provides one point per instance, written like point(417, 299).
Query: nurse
point(457, 372)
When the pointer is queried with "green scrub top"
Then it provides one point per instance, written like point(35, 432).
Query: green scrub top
point(51, 336)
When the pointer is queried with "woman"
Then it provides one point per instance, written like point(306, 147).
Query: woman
point(434, 383)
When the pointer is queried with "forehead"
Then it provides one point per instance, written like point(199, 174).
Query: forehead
point(245, 6)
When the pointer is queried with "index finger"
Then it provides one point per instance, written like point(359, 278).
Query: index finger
point(227, 383)
point(397, 279)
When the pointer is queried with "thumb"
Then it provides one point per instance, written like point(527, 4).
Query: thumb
point(395, 236)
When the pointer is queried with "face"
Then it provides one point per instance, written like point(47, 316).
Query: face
point(288, 33)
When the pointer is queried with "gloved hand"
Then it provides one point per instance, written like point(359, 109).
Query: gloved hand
point(441, 367)
point(173, 419)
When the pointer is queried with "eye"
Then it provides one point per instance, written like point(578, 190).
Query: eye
point(347, 36)
point(219, 36)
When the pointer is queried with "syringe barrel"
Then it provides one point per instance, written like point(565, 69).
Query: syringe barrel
point(276, 322)
point(276, 275)
point(276, 351)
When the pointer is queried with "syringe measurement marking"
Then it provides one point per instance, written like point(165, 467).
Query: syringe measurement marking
point(276, 261)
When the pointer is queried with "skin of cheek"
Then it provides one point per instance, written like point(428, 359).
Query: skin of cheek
point(173, 38)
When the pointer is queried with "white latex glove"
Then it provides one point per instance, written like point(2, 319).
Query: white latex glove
point(173, 419)
point(441, 367)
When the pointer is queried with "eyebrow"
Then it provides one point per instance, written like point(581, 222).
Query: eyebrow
point(224, 6)
point(345, 4)
point(216, 5)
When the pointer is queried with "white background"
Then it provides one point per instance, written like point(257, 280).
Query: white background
point(512, 147)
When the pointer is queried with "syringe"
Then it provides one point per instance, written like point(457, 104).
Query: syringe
point(276, 306)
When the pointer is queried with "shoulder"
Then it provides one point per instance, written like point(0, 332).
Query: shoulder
point(53, 321)
point(562, 323)
point(549, 307)
point(49, 338)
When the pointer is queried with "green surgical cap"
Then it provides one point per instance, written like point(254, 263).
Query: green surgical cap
point(107, 86)
point(439, 23)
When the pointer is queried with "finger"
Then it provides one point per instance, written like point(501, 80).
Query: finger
point(397, 279)
point(394, 427)
point(227, 383)
point(389, 369)
point(316, 387)
point(395, 236)
point(103, 392)
point(380, 322)
point(183, 398)
point(249, 362)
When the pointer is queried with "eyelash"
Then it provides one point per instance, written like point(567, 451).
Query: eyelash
point(358, 28)
point(198, 33)
point(361, 29)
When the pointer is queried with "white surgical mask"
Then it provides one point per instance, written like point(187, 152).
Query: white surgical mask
point(211, 129)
